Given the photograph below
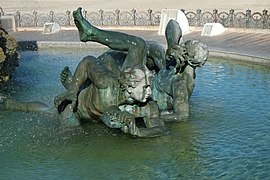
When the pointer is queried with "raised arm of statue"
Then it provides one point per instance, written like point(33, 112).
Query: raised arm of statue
point(155, 56)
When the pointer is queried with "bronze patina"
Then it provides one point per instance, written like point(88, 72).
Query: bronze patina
point(136, 80)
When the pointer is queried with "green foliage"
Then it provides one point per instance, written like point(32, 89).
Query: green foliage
point(8, 56)
point(2, 55)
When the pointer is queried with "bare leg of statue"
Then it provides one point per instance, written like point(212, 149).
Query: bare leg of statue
point(135, 46)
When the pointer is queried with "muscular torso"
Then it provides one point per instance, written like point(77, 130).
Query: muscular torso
point(172, 91)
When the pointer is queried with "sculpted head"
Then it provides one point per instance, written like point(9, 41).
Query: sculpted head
point(179, 54)
point(135, 83)
point(197, 53)
point(192, 52)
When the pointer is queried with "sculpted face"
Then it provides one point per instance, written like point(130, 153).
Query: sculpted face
point(142, 90)
point(136, 84)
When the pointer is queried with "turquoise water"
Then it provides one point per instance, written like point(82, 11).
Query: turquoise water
point(227, 136)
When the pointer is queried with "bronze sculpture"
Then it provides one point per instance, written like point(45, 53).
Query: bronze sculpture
point(121, 84)
point(175, 82)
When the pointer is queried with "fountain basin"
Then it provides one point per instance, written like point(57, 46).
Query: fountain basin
point(226, 136)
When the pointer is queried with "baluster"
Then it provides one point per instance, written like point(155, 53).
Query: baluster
point(150, 17)
point(101, 12)
point(35, 18)
point(183, 10)
point(51, 16)
point(265, 18)
point(117, 18)
point(248, 16)
point(133, 11)
point(68, 18)
point(18, 17)
point(231, 17)
point(198, 17)
point(215, 15)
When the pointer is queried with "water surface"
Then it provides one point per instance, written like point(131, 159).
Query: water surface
point(226, 137)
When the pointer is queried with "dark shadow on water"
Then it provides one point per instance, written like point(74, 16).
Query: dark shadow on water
point(27, 46)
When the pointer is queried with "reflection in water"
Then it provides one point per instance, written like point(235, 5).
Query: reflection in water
point(226, 137)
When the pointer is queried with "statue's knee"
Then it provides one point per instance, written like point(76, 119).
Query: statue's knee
point(88, 61)
point(143, 45)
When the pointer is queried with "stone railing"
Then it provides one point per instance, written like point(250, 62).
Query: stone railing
point(230, 19)
point(233, 19)
point(101, 18)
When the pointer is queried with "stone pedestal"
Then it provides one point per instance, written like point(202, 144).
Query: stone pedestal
point(212, 29)
point(51, 28)
point(8, 22)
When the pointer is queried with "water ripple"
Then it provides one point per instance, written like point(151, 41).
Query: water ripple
point(227, 136)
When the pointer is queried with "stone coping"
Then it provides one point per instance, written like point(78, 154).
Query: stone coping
point(239, 57)
point(150, 28)
point(64, 28)
point(42, 45)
